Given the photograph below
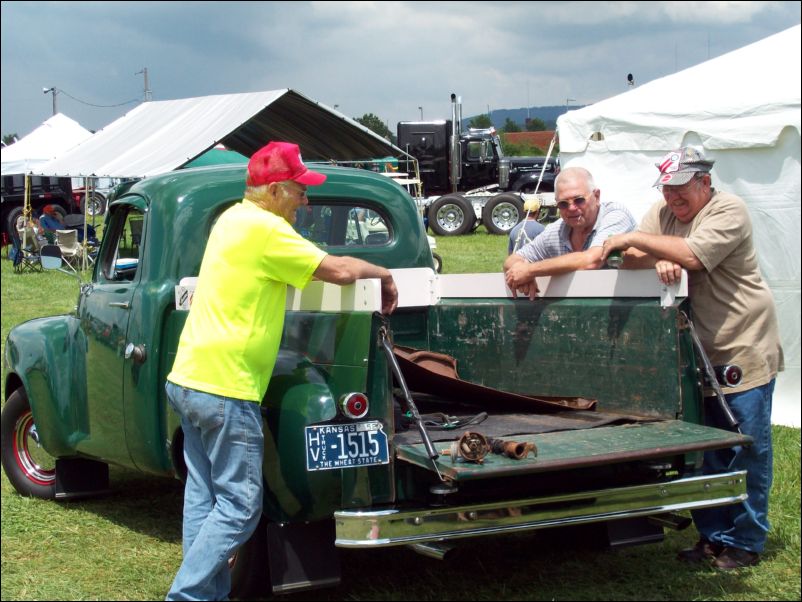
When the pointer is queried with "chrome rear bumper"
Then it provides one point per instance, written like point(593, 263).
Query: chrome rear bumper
point(363, 529)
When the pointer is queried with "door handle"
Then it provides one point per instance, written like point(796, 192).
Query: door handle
point(122, 304)
point(137, 352)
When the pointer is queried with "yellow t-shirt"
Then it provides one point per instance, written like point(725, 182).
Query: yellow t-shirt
point(231, 338)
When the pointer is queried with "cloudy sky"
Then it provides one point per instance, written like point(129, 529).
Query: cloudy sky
point(386, 58)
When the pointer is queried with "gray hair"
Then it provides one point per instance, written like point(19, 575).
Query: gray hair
point(581, 172)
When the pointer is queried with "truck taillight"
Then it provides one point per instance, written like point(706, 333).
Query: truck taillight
point(729, 376)
point(354, 405)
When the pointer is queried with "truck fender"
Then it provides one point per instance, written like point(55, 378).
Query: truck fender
point(47, 357)
point(528, 181)
point(298, 396)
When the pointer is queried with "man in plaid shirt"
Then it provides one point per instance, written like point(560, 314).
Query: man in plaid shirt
point(573, 242)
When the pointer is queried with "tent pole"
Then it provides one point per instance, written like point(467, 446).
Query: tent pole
point(86, 211)
point(26, 211)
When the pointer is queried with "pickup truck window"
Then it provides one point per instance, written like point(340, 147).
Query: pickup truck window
point(336, 225)
point(121, 260)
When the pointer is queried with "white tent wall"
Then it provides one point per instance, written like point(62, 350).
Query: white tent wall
point(759, 164)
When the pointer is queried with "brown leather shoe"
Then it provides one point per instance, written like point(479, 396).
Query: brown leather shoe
point(704, 550)
point(735, 558)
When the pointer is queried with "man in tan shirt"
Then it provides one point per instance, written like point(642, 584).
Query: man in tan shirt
point(709, 233)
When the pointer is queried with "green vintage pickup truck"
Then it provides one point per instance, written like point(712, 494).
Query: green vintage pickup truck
point(467, 413)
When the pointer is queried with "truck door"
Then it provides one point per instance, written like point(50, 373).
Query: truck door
point(104, 309)
point(479, 164)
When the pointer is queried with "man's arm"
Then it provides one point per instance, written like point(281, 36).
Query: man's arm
point(520, 274)
point(347, 270)
point(643, 250)
point(671, 248)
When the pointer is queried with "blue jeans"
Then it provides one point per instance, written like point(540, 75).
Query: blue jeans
point(223, 450)
point(744, 525)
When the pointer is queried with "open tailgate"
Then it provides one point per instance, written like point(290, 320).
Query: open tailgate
point(578, 448)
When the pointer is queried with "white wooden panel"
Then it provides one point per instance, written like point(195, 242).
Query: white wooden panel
point(585, 283)
point(421, 287)
point(417, 287)
point(363, 295)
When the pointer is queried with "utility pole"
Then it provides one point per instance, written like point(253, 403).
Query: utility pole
point(528, 102)
point(421, 113)
point(148, 96)
point(567, 100)
point(54, 91)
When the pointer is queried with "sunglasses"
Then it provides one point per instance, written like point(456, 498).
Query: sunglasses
point(577, 202)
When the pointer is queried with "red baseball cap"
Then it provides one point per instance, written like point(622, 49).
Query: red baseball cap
point(278, 162)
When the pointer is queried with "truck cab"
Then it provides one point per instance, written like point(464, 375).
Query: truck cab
point(483, 161)
point(480, 156)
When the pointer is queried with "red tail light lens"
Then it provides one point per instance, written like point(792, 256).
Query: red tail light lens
point(729, 376)
point(354, 405)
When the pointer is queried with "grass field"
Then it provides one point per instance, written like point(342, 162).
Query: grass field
point(127, 545)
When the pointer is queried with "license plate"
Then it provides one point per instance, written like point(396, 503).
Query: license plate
point(351, 445)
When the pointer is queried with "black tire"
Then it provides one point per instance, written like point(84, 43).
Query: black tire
point(249, 566)
point(548, 214)
point(31, 470)
point(502, 212)
point(451, 215)
point(97, 205)
point(11, 220)
point(438, 263)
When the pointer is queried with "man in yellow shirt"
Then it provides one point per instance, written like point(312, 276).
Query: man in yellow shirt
point(226, 356)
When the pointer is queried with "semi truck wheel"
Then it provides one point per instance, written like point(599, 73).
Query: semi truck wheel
point(31, 470)
point(502, 212)
point(451, 215)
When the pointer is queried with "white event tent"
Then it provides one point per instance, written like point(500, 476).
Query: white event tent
point(160, 136)
point(48, 141)
point(743, 110)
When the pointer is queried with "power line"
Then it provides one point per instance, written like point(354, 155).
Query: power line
point(127, 102)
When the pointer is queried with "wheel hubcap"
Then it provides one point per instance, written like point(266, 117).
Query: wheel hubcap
point(450, 217)
point(505, 216)
point(34, 461)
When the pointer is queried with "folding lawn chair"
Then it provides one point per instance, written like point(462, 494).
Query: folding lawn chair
point(26, 259)
point(71, 249)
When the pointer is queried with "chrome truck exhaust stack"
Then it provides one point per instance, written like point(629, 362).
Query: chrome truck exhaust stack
point(455, 154)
